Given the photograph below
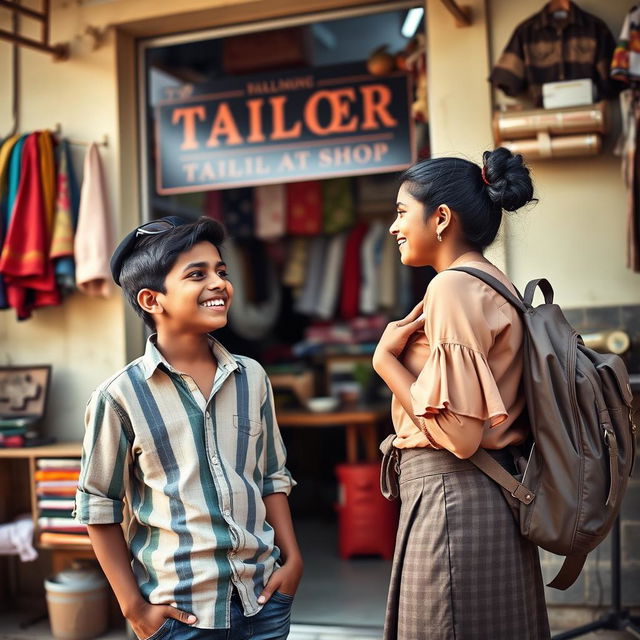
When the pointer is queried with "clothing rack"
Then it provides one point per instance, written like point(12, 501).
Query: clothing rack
point(103, 142)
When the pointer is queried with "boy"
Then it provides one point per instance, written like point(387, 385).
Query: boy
point(188, 434)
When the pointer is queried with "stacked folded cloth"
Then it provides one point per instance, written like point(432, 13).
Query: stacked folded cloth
point(56, 482)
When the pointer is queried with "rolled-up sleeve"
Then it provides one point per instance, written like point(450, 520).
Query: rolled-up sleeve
point(277, 478)
point(106, 462)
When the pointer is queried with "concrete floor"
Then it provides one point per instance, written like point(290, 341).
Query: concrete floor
point(337, 599)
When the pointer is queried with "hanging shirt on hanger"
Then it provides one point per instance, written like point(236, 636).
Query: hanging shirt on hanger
point(25, 264)
point(625, 65)
point(544, 49)
point(212, 207)
point(93, 243)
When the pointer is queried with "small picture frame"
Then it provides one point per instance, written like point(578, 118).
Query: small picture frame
point(24, 391)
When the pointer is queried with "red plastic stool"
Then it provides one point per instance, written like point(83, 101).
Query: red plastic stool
point(367, 521)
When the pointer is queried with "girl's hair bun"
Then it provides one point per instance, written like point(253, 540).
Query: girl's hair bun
point(507, 179)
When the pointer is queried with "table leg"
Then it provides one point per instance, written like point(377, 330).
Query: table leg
point(369, 436)
point(352, 443)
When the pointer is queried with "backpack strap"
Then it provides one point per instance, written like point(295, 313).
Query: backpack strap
point(495, 284)
point(569, 571)
point(491, 467)
point(545, 287)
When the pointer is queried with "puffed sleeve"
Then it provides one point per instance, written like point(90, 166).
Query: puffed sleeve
point(455, 393)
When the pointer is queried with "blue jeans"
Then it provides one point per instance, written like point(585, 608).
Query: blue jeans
point(271, 623)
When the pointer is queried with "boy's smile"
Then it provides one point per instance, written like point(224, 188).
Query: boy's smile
point(198, 292)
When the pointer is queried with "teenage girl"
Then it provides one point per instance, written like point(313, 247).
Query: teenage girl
point(461, 568)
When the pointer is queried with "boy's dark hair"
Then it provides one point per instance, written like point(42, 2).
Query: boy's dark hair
point(154, 256)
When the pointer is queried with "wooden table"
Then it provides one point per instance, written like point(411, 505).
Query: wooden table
point(357, 422)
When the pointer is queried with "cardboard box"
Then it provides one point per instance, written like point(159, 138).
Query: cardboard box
point(568, 93)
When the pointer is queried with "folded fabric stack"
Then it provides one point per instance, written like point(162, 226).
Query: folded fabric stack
point(56, 482)
point(13, 432)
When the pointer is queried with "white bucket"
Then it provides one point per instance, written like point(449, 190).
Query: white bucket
point(77, 600)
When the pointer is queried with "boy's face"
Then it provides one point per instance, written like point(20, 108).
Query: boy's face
point(198, 293)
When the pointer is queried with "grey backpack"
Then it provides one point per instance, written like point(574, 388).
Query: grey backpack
point(573, 476)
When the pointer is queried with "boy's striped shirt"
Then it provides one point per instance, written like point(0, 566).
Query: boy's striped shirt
point(194, 473)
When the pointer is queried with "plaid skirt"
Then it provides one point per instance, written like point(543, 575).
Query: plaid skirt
point(461, 569)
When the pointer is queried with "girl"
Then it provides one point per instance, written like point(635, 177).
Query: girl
point(461, 569)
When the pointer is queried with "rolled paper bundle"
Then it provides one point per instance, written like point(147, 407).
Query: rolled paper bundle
point(517, 125)
point(546, 146)
point(615, 341)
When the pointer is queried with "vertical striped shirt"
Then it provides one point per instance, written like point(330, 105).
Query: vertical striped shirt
point(194, 472)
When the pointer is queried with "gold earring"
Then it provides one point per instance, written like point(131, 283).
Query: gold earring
point(438, 236)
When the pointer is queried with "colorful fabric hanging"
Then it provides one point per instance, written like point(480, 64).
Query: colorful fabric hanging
point(25, 263)
point(47, 176)
point(270, 204)
point(330, 288)
point(338, 208)
point(304, 208)
point(351, 273)
point(93, 243)
point(296, 266)
point(238, 212)
point(13, 178)
point(63, 227)
point(5, 156)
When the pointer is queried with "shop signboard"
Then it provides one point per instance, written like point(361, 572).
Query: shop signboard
point(284, 127)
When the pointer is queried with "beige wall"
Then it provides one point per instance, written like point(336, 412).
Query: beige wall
point(575, 235)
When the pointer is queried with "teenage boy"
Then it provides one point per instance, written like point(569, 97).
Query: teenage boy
point(187, 433)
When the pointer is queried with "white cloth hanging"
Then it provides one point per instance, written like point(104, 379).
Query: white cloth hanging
point(93, 243)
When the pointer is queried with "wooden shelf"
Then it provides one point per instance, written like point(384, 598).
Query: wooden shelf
point(57, 450)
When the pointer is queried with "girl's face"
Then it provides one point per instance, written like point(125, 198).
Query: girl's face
point(416, 238)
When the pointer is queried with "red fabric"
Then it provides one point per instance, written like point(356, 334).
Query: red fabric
point(350, 298)
point(304, 208)
point(25, 262)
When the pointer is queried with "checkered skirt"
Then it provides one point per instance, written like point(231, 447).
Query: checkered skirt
point(461, 569)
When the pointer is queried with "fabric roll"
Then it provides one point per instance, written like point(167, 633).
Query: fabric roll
point(25, 264)
point(371, 257)
point(330, 287)
point(238, 212)
point(338, 207)
point(304, 208)
point(350, 296)
point(307, 303)
point(93, 243)
point(270, 206)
